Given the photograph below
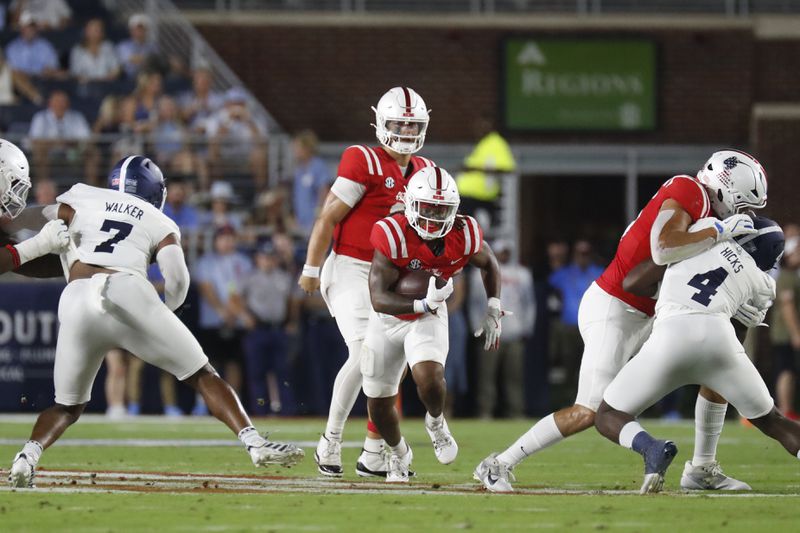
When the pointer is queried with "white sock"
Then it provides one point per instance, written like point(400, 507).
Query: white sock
point(628, 432)
point(432, 421)
point(345, 391)
point(798, 454)
point(250, 437)
point(373, 445)
point(543, 434)
point(33, 451)
point(709, 417)
point(401, 448)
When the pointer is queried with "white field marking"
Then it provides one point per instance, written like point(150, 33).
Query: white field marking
point(174, 483)
point(169, 443)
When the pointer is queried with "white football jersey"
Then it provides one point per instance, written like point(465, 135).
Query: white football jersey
point(717, 281)
point(114, 229)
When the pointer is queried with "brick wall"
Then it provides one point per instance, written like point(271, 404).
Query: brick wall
point(776, 143)
point(328, 77)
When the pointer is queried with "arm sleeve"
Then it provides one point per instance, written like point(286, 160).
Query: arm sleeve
point(348, 191)
point(176, 275)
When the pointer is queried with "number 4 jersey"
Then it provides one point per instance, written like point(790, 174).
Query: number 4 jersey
point(114, 229)
point(717, 281)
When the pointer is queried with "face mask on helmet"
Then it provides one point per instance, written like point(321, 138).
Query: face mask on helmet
point(401, 120)
point(432, 200)
point(14, 199)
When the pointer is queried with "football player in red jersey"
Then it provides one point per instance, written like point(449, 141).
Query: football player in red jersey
point(614, 323)
point(429, 236)
point(369, 182)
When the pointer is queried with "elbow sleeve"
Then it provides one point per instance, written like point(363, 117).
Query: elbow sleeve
point(176, 275)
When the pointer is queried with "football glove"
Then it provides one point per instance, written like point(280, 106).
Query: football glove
point(750, 316)
point(436, 297)
point(53, 238)
point(734, 226)
point(490, 327)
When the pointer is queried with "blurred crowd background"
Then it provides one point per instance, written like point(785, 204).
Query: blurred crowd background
point(84, 83)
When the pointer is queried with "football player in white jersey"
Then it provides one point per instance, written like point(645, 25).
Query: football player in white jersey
point(109, 303)
point(694, 342)
point(15, 183)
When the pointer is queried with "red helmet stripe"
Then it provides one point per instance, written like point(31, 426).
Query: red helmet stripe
point(407, 94)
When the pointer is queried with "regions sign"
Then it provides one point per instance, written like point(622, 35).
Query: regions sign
point(579, 84)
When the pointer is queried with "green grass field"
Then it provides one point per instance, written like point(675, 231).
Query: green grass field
point(584, 484)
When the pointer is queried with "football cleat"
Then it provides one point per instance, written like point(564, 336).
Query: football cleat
point(398, 467)
point(444, 445)
point(328, 457)
point(709, 477)
point(494, 475)
point(656, 461)
point(275, 453)
point(22, 472)
point(375, 464)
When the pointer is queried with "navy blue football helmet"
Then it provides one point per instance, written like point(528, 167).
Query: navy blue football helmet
point(765, 246)
point(139, 176)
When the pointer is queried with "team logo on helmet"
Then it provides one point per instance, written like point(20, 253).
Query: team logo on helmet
point(730, 163)
point(389, 183)
point(415, 264)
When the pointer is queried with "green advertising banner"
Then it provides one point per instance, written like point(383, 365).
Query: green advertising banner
point(579, 84)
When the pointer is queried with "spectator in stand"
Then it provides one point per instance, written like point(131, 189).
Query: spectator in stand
point(32, 54)
point(509, 360)
point(220, 214)
point(270, 316)
point(14, 81)
point(170, 139)
point(132, 130)
point(287, 253)
point(45, 192)
point(271, 214)
point(59, 131)
point(146, 95)
point(220, 274)
point(568, 283)
point(312, 179)
point(134, 53)
point(455, 372)
point(785, 327)
point(176, 208)
point(201, 102)
point(94, 59)
point(236, 137)
point(49, 14)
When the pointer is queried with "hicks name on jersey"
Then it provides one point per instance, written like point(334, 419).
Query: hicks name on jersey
point(125, 209)
point(733, 259)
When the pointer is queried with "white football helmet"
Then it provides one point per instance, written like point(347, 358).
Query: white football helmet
point(734, 181)
point(15, 181)
point(401, 120)
point(432, 201)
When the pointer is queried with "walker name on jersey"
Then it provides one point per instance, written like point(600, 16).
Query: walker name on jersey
point(125, 209)
point(733, 259)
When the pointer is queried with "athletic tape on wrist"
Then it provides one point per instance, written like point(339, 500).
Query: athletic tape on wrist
point(310, 271)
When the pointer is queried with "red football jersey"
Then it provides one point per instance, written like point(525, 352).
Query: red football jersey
point(400, 243)
point(380, 174)
point(634, 246)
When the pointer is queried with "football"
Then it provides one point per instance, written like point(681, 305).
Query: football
point(415, 284)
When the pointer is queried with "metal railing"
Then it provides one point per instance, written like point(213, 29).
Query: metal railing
point(489, 7)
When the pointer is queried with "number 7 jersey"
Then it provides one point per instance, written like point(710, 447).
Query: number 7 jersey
point(114, 229)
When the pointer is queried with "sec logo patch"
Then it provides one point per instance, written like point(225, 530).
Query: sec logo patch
point(415, 264)
point(389, 183)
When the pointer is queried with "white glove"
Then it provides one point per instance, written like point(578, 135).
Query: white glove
point(436, 297)
point(53, 238)
point(734, 226)
point(491, 325)
point(750, 315)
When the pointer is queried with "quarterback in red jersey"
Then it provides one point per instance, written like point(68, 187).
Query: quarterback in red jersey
point(370, 181)
point(431, 237)
point(614, 323)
